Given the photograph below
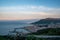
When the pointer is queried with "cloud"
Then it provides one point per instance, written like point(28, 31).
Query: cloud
point(28, 12)
point(30, 8)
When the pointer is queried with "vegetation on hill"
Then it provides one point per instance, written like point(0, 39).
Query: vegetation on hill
point(3, 38)
point(49, 31)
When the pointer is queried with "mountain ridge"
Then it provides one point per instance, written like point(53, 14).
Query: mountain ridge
point(47, 21)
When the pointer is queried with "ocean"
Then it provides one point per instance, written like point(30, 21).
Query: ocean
point(6, 26)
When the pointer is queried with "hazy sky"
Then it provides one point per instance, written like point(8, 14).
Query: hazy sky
point(29, 9)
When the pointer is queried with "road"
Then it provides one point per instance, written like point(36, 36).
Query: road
point(45, 36)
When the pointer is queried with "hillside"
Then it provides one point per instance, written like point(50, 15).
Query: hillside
point(48, 21)
point(49, 31)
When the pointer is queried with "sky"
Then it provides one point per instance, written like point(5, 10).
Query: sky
point(29, 9)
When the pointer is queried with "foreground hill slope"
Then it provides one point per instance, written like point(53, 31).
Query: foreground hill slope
point(49, 31)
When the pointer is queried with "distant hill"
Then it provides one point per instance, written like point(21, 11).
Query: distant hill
point(48, 21)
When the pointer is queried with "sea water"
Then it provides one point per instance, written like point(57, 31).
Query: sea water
point(6, 26)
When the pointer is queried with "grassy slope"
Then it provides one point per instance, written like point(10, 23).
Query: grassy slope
point(2, 38)
point(50, 31)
